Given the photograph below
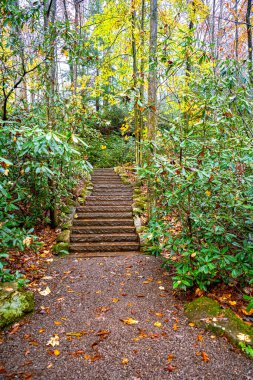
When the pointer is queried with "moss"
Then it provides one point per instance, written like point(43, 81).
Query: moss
point(60, 248)
point(66, 225)
point(64, 236)
point(14, 304)
point(65, 209)
point(207, 313)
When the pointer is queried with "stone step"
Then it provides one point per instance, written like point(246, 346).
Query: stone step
point(103, 229)
point(75, 238)
point(104, 215)
point(104, 208)
point(109, 203)
point(102, 254)
point(109, 197)
point(111, 186)
point(103, 222)
point(104, 246)
point(106, 192)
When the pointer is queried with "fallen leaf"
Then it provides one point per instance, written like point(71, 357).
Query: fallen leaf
point(44, 292)
point(50, 365)
point(53, 341)
point(57, 323)
point(244, 337)
point(159, 314)
point(204, 356)
point(161, 287)
point(157, 324)
point(115, 300)
point(175, 327)
point(191, 324)
point(124, 361)
point(15, 328)
point(170, 357)
point(170, 368)
point(57, 352)
point(77, 334)
point(199, 338)
point(103, 332)
point(76, 353)
point(129, 321)
point(41, 331)
point(232, 303)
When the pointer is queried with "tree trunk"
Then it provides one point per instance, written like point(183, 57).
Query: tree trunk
point(152, 95)
point(152, 78)
point(135, 81)
point(249, 37)
point(142, 77)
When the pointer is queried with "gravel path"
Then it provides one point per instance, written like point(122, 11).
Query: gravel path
point(89, 299)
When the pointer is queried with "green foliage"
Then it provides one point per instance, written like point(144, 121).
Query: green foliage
point(202, 177)
point(112, 150)
point(37, 167)
point(246, 348)
point(250, 304)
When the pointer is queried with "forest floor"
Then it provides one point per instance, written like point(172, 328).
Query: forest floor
point(111, 319)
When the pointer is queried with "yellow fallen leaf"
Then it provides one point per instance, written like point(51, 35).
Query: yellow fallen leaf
point(159, 314)
point(57, 352)
point(41, 331)
point(191, 324)
point(124, 361)
point(208, 193)
point(175, 327)
point(244, 337)
point(53, 341)
point(157, 324)
point(170, 357)
point(129, 321)
point(45, 292)
point(115, 300)
point(57, 323)
point(103, 147)
point(232, 303)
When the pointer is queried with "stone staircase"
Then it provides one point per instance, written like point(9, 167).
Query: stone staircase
point(104, 225)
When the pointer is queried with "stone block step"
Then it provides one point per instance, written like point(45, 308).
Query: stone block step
point(106, 192)
point(104, 208)
point(109, 203)
point(109, 198)
point(104, 215)
point(102, 254)
point(104, 246)
point(111, 186)
point(103, 222)
point(103, 229)
point(75, 238)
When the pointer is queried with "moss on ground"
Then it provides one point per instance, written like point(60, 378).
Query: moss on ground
point(206, 312)
point(14, 303)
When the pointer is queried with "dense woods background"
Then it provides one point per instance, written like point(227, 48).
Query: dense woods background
point(167, 85)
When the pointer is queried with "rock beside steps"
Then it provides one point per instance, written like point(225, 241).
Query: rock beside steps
point(104, 225)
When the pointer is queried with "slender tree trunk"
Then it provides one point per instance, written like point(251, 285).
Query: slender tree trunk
point(219, 30)
point(135, 81)
point(152, 78)
point(236, 32)
point(142, 77)
point(75, 63)
point(249, 37)
point(152, 94)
